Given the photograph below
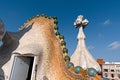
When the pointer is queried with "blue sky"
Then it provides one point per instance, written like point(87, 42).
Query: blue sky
point(102, 32)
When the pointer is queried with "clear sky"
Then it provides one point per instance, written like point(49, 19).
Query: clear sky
point(102, 32)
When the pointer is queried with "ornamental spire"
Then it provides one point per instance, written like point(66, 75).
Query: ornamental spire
point(81, 56)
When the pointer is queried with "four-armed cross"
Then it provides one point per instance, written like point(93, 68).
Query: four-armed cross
point(80, 22)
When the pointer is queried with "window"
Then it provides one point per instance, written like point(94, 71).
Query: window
point(106, 75)
point(112, 75)
point(112, 70)
point(22, 68)
point(105, 70)
point(118, 71)
point(118, 75)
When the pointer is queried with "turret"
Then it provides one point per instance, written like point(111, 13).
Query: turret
point(82, 57)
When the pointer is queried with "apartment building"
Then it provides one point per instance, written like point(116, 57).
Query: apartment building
point(111, 70)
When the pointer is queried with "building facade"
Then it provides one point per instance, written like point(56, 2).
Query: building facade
point(38, 52)
point(111, 70)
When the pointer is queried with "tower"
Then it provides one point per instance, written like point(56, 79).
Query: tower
point(81, 56)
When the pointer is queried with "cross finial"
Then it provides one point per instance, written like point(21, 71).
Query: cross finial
point(80, 21)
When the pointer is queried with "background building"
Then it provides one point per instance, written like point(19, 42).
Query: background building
point(111, 70)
